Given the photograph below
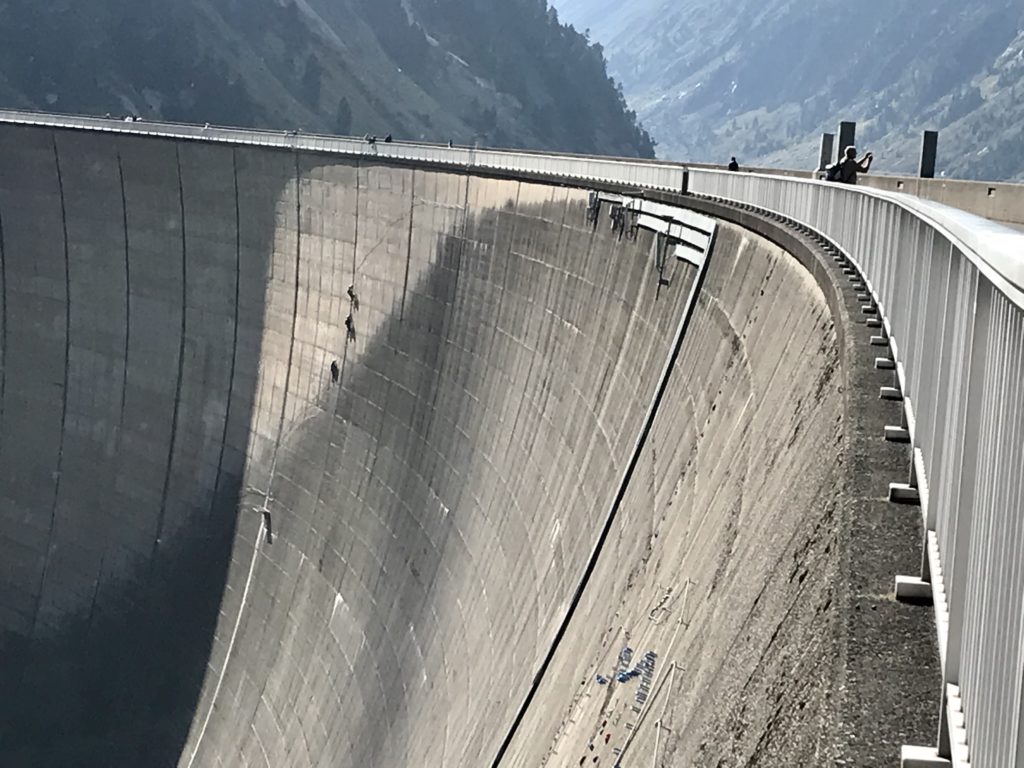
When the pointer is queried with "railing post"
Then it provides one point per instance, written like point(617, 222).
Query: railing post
point(966, 492)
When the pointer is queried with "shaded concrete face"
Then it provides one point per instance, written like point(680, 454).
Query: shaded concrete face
point(118, 340)
point(171, 313)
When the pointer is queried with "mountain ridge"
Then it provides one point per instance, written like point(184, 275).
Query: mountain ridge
point(763, 80)
point(338, 66)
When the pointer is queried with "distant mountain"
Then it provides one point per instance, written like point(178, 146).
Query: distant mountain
point(501, 72)
point(761, 79)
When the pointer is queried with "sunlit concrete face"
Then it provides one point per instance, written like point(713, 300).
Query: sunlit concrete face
point(219, 549)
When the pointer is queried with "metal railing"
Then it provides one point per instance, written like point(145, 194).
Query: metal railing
point(949, 288)
point(650, 174)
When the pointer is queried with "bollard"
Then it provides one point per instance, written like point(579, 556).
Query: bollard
point(929, 151)
point(828, 141)
point(847, 137)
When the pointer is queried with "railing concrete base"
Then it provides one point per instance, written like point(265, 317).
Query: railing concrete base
point(922, 757)
point(902, 493)
point(912, 589)
point(884, 364)
point(873, 322)
point(890, 393)
point(897, 435)
point(879, 341)
point(869, 310)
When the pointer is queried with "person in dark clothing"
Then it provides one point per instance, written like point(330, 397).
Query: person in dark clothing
point(733, 165)
point(350, 328)
point(353, 298)
point(845, 171)
point(335, 371)
point(387, 139)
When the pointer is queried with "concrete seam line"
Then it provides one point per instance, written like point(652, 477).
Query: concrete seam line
point(234, 338)
point(127, 304)
point(181, 367)
point(64, 388)
point(231, 644)
point(3, 330)
point(641, 441)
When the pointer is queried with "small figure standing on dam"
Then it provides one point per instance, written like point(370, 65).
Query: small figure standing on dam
point(733, 165)
point(845, 171)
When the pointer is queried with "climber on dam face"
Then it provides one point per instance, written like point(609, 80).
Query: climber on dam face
point(353, 298)
point(350, 328)
point(335, 371)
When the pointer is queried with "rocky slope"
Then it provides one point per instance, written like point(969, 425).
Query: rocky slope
point(762, 80)
point(500, 72)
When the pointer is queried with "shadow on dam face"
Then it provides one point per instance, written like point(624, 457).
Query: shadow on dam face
point(128, 378)
point(216, 552)
point(170, 314)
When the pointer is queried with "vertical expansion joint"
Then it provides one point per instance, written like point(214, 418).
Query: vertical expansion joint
point(355, 235)
point(181, 364)
point(291, 338)
point(64, 391)
point(127, 302)
point(408, 245)
point(234, 336)
point(3, 330)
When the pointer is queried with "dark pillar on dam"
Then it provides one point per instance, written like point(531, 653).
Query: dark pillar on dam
point(929, 151)
point(828, 141)
point(847, 137)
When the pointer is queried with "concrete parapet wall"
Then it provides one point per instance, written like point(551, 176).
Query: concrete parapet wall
point(997, 200)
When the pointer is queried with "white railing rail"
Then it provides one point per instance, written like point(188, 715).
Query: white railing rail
point(949, 288)
point(650, 174)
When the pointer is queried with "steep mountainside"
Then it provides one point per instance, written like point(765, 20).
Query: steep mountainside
point(498, 72)
point(762, 80)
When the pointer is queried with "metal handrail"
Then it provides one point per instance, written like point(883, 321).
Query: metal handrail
point(652, 174)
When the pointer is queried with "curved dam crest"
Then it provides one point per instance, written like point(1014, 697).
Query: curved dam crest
point(220, 549)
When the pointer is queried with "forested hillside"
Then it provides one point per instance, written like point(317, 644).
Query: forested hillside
point(498, 72)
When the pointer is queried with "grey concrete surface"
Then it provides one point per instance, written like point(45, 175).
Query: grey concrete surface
point(213, 554)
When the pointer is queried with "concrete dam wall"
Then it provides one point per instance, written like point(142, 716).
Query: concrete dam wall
point(302, 460)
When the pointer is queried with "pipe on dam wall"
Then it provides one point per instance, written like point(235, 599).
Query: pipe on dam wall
point(368, 526)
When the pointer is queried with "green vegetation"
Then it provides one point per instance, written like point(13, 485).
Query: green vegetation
point(499, 72)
